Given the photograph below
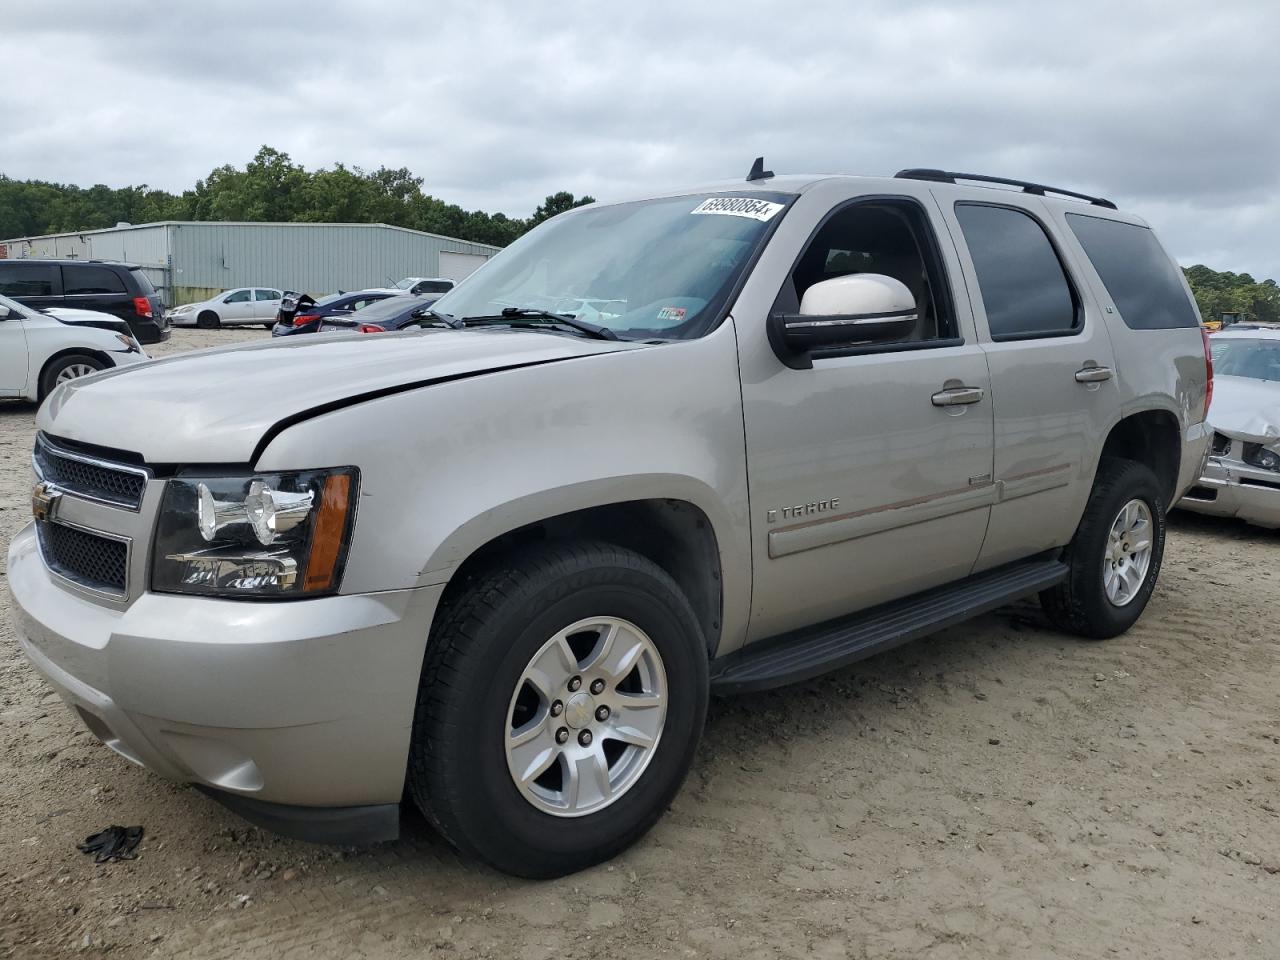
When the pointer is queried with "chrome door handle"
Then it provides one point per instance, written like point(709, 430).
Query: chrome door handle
point(956, 395)
point(1093, 374)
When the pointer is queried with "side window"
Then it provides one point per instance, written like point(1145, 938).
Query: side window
point(240, 296)
point(1136, 271)
point(27, 280)
point(88, 279)
point(1024, 288)
point(267, 295)
point(890, 237)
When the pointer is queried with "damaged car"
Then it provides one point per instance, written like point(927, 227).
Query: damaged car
point(1242, 475)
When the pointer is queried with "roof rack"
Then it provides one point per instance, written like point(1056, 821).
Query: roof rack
point(1039, 189)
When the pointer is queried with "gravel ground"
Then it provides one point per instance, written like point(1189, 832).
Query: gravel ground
point(997, 790)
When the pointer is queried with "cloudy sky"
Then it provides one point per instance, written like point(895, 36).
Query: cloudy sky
point(1171, 108)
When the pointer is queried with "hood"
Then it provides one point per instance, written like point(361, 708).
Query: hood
point(88, 318)
point(1246, 409)
point(214, 406)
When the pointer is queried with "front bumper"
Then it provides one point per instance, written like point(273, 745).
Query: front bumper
point(298, 704)
point(1230, 488)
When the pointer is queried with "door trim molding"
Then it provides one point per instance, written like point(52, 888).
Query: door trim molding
point(811, 534)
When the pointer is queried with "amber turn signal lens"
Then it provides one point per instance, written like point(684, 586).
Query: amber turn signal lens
point(326, 542)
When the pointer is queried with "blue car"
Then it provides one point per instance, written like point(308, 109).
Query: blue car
point(303, 314)
point(385, 316)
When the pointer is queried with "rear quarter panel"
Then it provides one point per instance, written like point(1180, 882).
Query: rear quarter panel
point(1156, 369)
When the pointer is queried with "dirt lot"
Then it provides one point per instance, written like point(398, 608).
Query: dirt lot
point(998, 790)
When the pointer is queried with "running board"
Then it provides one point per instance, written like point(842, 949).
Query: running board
point(809, 652)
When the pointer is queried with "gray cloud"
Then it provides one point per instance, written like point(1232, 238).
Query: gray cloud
point(1168, 108)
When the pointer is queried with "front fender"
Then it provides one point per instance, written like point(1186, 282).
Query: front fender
point(448, 467)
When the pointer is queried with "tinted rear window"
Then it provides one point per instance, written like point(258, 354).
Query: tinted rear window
point(27, 280)
point(77, 279)
point(390, 307)
point(1139, 276)
point(1024, 288)
point(143, 282)
point(433, 286)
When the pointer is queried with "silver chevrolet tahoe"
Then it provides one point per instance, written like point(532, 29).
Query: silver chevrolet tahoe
point(499, 564)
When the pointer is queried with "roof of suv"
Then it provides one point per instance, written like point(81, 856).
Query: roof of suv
point(797, 184)
point(1249, 331)
point(68, 261)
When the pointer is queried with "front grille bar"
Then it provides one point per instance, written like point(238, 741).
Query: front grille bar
point(86, 476)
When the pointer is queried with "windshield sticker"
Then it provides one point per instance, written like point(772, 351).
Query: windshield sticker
point(674, 314)
point(763, 210)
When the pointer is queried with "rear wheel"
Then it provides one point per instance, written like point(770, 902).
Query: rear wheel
point(70, 367)
point(208, 320)
point(562, 698)
point(268, 326)
point(1115, 555)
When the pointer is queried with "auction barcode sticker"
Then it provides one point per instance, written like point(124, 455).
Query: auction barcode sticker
point(739, 207)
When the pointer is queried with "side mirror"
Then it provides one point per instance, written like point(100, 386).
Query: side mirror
point(854, 310)
point(4, 312)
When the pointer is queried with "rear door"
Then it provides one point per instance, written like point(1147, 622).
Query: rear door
point(90, 286)
point(35, 284)
point(1052, 369)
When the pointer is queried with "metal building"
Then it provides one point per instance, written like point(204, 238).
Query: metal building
point(192, 260)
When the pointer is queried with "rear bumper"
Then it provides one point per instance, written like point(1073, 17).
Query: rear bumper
point(1228, 488)
point(305, 704)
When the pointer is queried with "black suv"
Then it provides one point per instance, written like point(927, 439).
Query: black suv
point(122, 289)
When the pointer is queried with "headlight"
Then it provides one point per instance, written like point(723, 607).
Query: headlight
point(267, 535)
point(1255, 454)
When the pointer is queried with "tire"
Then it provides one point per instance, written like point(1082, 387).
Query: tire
point(1082, 604)
point(481, 648)
point(208, 320)
point(268, 326)
point(68, 367)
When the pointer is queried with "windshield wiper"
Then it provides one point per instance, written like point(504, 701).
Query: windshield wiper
point(593, 330)
point(452, 322)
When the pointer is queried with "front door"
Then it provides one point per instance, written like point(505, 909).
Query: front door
point(237, 307)
point(868, 480)
point(13, 356)
point(1051, 361)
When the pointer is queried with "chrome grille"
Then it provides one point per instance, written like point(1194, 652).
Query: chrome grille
point(86, 476)
point(93, 561)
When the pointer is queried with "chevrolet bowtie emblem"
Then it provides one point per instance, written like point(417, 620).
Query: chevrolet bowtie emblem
point(44, 501)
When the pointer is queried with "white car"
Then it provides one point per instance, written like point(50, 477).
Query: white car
point(421, 286)
point(38, 352)
point(244, 305)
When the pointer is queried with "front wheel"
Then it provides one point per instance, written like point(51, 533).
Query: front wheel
point(208, 320)
point(562, 698)
point(1115, 555)
point(70, 367)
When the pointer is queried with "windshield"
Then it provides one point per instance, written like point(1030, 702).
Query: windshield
point(18, 308)
point(406, 283)
point(1256, 359)
point(656, 269)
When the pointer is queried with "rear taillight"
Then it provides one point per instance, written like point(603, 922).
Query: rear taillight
point(1208, 372)
point(370, 328)
point(142, 306)
point(304, 319)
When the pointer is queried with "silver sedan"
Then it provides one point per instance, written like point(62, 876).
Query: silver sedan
point(1242, 475)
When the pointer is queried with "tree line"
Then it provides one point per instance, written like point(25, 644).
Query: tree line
point(270, 187)
point(1219, 292)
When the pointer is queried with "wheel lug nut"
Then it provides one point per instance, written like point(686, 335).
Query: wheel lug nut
point(597, 686)
point(557, 708)
point(574, 684)
point(584, 738)
point(602, 713)
point(562, 735)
